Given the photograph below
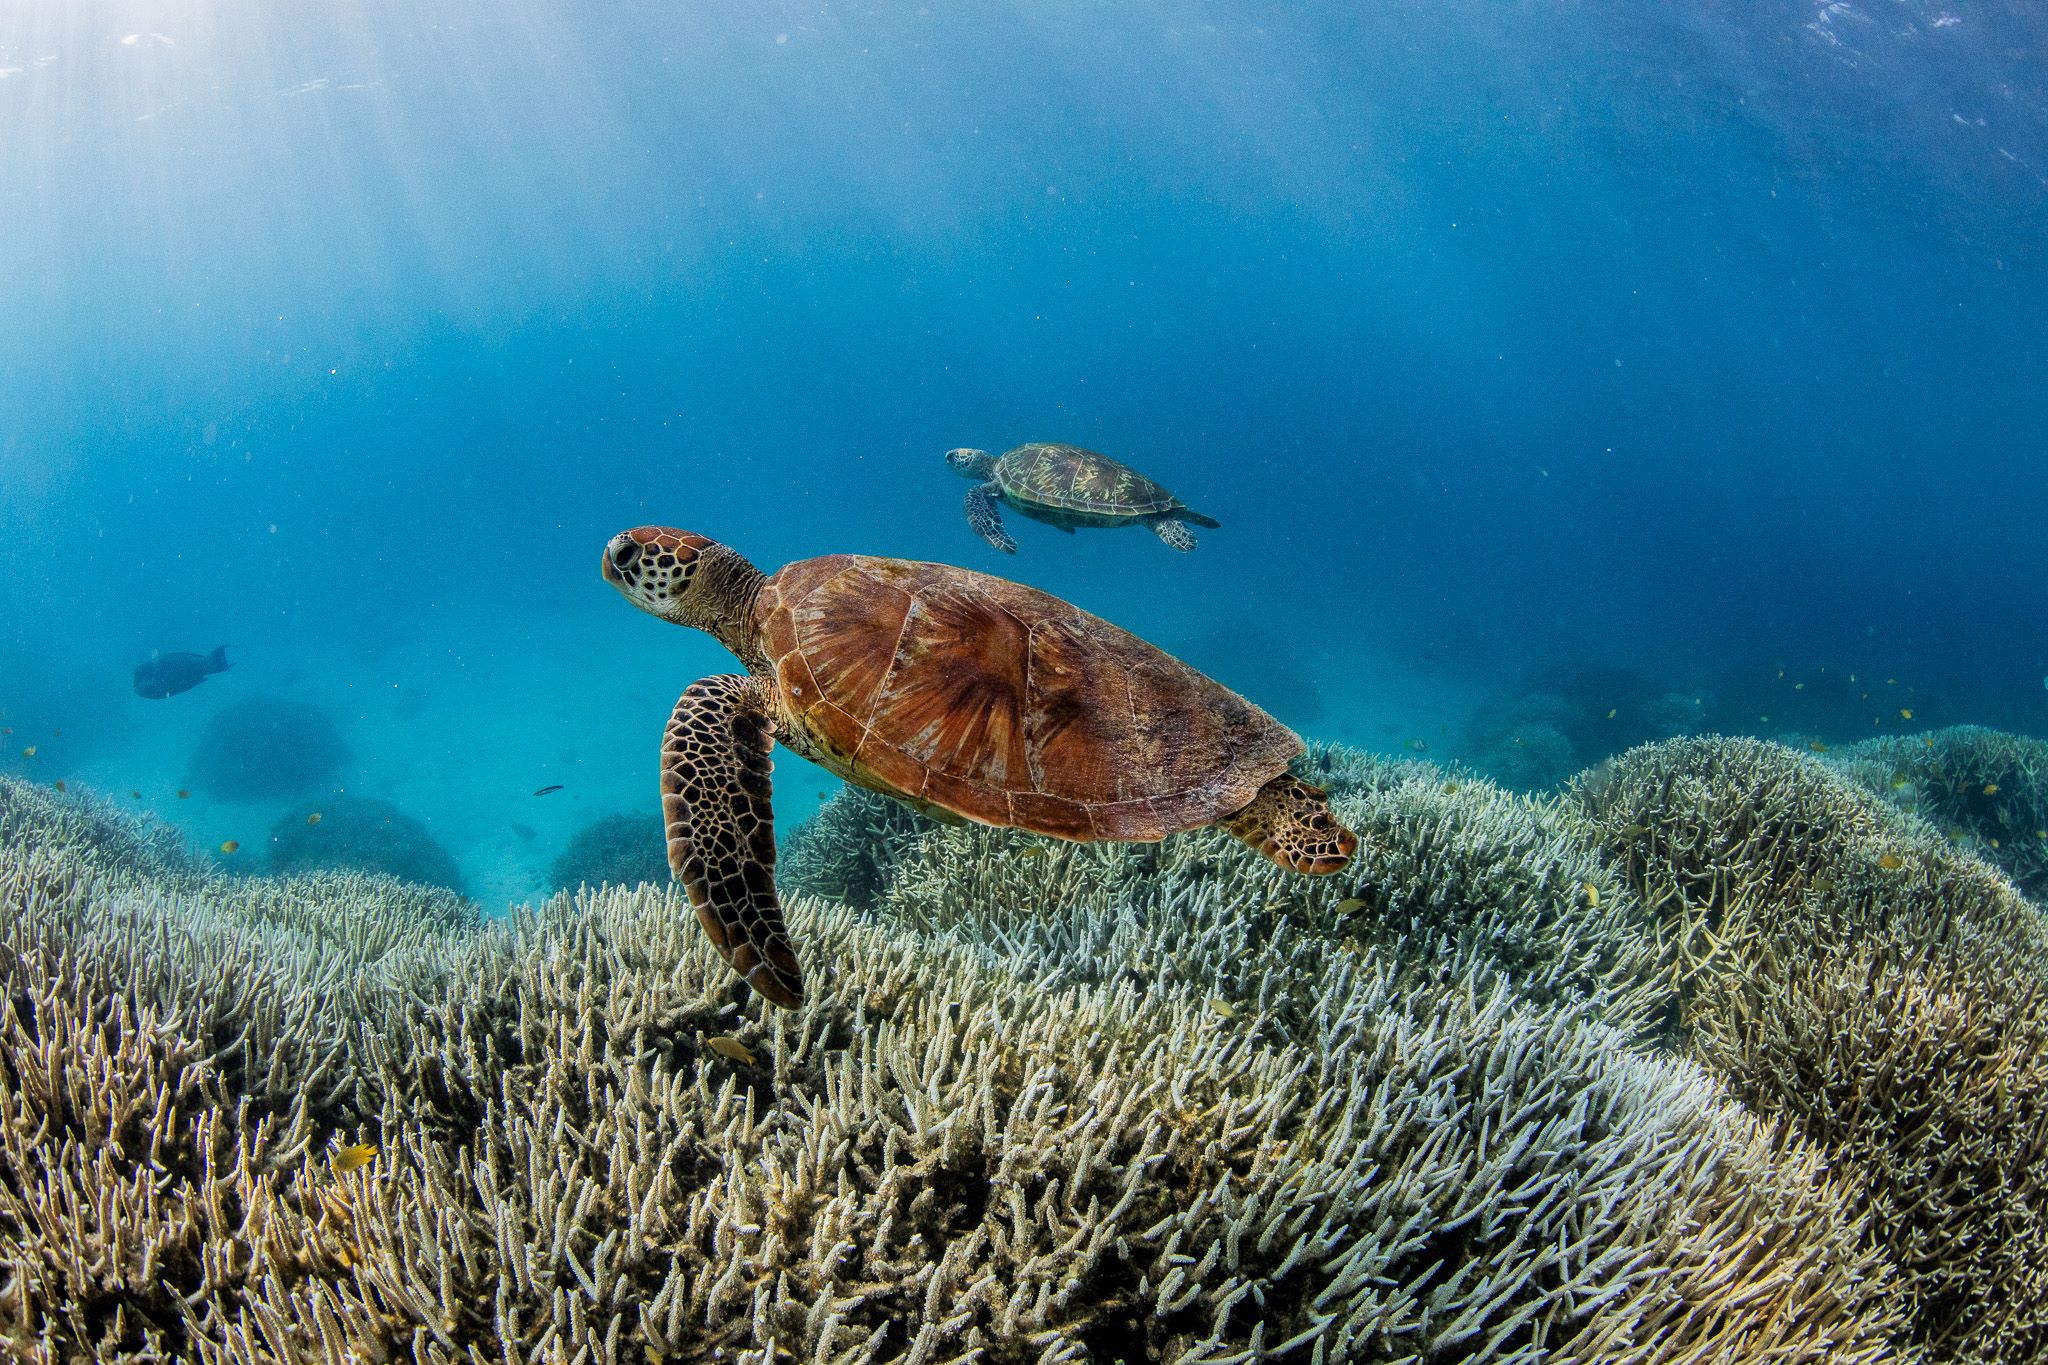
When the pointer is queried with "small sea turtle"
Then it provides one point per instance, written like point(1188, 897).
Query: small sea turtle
point(959, 694)
point(1066, 486)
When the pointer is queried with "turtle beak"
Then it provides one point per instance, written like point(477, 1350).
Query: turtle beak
point(618, 557)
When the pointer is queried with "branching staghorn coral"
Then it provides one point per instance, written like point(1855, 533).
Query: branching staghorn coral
point(939, 1157)
point(1982, 787)
point(1455, 877)
point(1845, 968)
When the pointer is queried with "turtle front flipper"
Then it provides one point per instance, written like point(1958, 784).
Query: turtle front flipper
point(986, 521)
point(721, 827)
point(1290, 822)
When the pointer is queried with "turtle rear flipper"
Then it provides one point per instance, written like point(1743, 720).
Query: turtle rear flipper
point(1190, 514)
point(1290, 822)
point(1174, 532)
point(986, 520)
point(715, 806)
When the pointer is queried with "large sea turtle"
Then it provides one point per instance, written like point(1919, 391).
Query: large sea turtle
point(960, 694)
point(1066, 486)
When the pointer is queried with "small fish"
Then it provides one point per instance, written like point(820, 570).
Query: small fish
point(1613, 711)
point(1763, 720)
point(1906, 712)
point(135, 795)
point(1417, 745)
point(314, 818)
point(1031, 851)
point(1929, 741)
point(1350, 905)
point(1592, 895)
point(353, 1157)
point(1897, 783)
point(1991, 789)
point(732, 1049)
point(1852, 677)
point(1817, 746)
point(184, 795)
point(545, 790)
point(1891, 862)
point(2041, 834)
point(1781, 672)
point(1798, 687)
point(1891, 682)
point(230, 845)
point(1221, 1008)
point(166, 675)
point(60, 784)
point(1994, 843)
point(29, 752)
point(6, 729)
point(1450, 789)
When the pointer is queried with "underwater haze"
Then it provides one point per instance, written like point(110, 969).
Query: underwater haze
point(1563, 375)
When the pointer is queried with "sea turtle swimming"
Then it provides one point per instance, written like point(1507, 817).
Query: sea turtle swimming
point(960, 694)
point(1066, 486)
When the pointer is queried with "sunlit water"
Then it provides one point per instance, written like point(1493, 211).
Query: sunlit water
point(1540, 361)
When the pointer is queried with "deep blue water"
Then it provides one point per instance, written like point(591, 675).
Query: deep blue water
point(1634, 355)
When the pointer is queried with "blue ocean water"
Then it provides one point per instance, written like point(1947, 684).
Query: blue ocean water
point(1541, 360)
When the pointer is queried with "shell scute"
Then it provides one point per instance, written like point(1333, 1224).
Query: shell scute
point(1069, 478)
point(1006, 705)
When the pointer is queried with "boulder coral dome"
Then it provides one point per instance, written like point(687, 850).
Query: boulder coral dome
point(1559, 1079)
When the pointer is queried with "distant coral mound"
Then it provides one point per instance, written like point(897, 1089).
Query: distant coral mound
point(367, 833)
point(613, 850)
point(1855, 974)
point(266, 749)
point(1714, 1058)
point(1984, 789)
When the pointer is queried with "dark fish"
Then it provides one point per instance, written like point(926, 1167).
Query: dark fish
point(545, 790)
point(166, 675)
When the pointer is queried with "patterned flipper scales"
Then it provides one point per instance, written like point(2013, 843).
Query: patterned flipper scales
point(721, 828)
point(985, 518)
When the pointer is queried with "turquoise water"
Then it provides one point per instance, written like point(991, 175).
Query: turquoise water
point(1540, 362)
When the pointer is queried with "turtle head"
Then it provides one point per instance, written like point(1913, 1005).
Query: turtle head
point(971, 463)
point(685, 578)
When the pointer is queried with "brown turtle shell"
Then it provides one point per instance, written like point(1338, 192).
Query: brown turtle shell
point(1071, 479)
point(1004, 704)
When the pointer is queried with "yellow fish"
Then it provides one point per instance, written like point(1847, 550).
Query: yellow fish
point(1798, 687)
point(29, 752)
point(353, 1157)
point(1817, 747)
point(1592, 894)
point(732, 1049)
point(1350, 905)
point(1991, 789)
point(314, 818)
point(1898, 782)
point(1906, 712)
point(1613, 711)
point(1891, 862)
point(1222, 1008)
point(230, 845)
